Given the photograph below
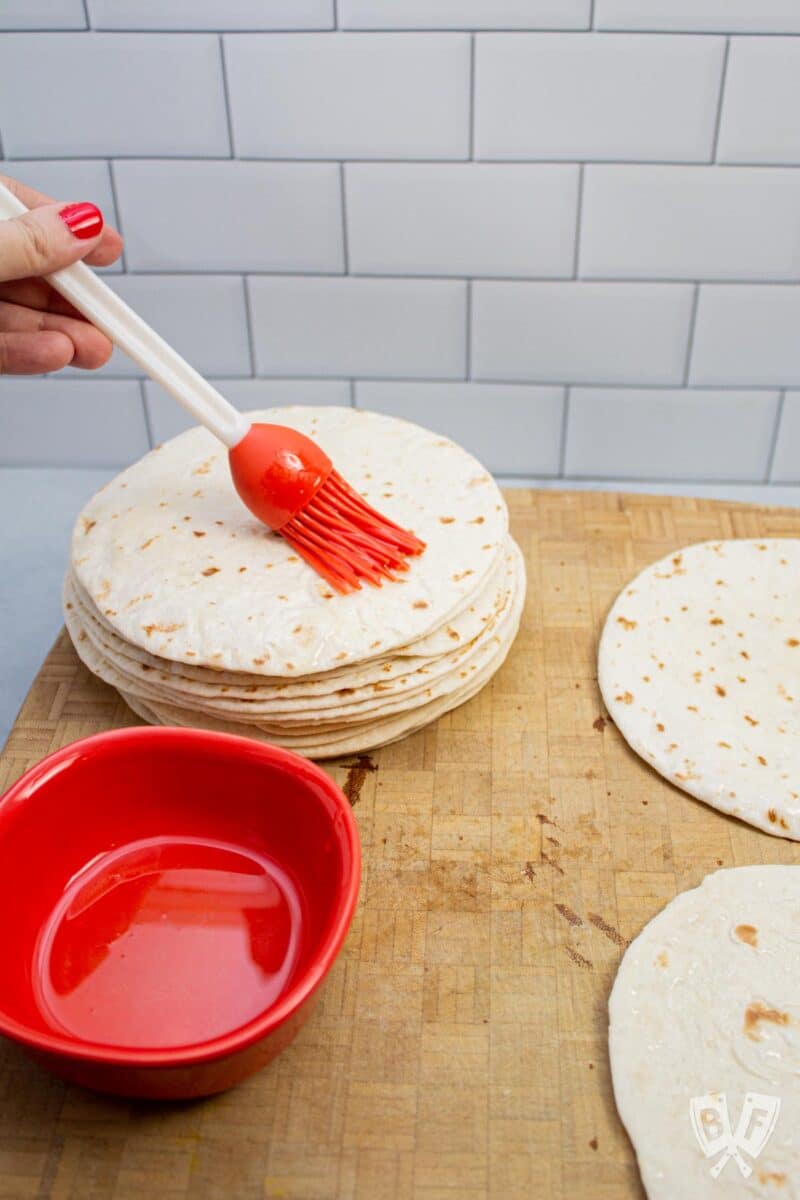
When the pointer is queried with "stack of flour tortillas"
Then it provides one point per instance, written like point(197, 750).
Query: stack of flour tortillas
point(199, 615)
point(699, 667)
point(704, 1039)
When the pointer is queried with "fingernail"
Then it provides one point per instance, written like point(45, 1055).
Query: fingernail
point(84, 221)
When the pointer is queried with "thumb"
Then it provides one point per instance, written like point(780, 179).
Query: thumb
point(47, 239)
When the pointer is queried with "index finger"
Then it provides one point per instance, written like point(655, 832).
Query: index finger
point(107, 250)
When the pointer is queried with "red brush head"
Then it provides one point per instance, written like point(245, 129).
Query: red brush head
point(277, 472)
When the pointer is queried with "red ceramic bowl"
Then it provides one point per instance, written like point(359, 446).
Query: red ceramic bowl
point(170, 901)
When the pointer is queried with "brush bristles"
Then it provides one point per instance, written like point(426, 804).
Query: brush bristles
point(346, 540)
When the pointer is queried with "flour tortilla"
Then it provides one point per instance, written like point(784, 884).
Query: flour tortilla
point(309, 729)
point(351, 741)
point(460, 631)
point(699, 666)
point(145, 547)
point(707, 999)
point(359, 687)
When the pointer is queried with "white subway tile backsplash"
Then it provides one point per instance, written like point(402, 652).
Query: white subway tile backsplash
point(690, 223)
point(111, 94)
point(352, 95)
point(231, 216)
point(786, 464)
point(167, 418)
point(71, 179)
point(747, 335)
point(81, 422)
point(662, 434)
point(465, 14)
point(211, 14)
point(761, 107)
point(575, 95)
point(398, 328)
point(511, 428)
point(580, 332)
point(701, 16)
point(461, 219)
point(203, 319)
point(42, 14)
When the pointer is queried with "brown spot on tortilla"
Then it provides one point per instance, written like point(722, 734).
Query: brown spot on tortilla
point(375, 644)
point(661, 959)
point(772, 815)
point(691, 708)
point(579, 960)
point(198, 533)
point(784, 823)
point(420, 604)
point(259, 662)
point(88, 525)
point(757, 1012)
point(792, 642)
point(446, 520)
point(625, 698)
point(599, 724)
point(204, 468)
point(593, 1143)
point(297, 629)
point(762, 760)
point(543, 819)
point(720, 690)
point(242, 570)
point(725, 745)
point(569, 916)
point(340, 656)
point(776, 1177)
point(453, 634)
point(550, 863)
point(356, 774)
point(625, 623)
point(660, 727)
point(750, 720)
point(210, 571)
point(609, 931)
point(150, 629)
point(290, 667)
point(716, 621)
point(677, 560)
point(747, 933)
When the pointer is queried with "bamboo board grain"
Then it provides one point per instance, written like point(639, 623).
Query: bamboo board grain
point(510, 851)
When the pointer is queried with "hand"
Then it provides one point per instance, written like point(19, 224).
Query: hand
point(39, 330)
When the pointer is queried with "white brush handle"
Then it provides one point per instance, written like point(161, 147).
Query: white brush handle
point(96, 301)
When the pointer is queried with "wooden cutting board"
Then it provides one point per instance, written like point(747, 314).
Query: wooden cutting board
point(510, 851)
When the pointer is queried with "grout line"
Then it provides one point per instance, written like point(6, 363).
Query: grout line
point(468, 374)
point(248, 316)
point(592, 15)
point(442, 160)
point(562, 457)
point(228, 117)
point(117, 213)
point(775, 435)
point(335, 14)
point(471, 155)
point(2, 155)
point(718, 119)
point(690, 339)
point(578, 222)
point(86, 14)
point(605, 32)
point(611, 280)
point(345, 239)
point(352, 393)
point(148, 423)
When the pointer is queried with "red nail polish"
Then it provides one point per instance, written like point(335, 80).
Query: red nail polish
point(84, 221)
